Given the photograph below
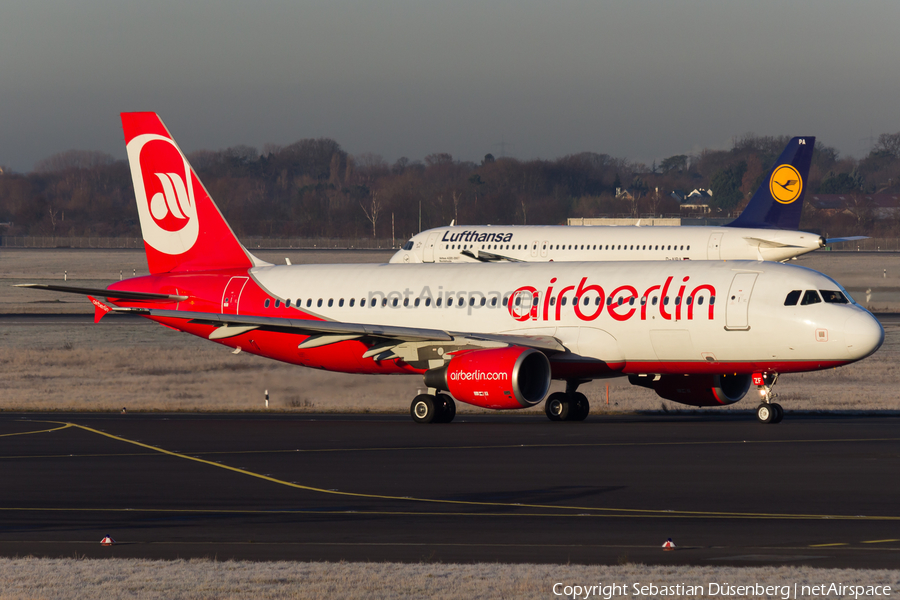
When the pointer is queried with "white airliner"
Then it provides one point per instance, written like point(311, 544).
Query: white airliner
point(765, 230)
point(492, 335)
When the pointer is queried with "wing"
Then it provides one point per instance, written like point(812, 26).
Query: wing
point(483, 256)
point(384, 341)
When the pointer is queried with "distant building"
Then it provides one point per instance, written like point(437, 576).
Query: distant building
point(882, 205)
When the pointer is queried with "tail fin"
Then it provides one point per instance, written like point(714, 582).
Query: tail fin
point(778, 202)
point(182, 227)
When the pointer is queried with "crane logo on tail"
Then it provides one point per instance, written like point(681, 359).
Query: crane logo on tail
point(785, 184)
point(165, 194)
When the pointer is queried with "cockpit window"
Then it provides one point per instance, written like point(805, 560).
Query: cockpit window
point(834, 297)
point(810, 297)
point(792, 298)
point(408, 245)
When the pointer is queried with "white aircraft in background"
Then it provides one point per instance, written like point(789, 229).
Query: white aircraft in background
point(492, 335)
point(765, 230)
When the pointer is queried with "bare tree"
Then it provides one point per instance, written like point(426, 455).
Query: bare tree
point(372, 214)
point(457, 196)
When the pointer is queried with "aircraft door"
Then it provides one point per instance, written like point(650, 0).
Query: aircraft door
point(534, 248)
point(738, 302)
point(713, 251)
point(428, 255)
point(231, 298)
point(544, 249)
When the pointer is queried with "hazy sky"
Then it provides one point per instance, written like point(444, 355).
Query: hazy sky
point(636, 79)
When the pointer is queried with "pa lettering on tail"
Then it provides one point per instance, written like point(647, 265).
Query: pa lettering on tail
point(778, 202)
point(182, 227)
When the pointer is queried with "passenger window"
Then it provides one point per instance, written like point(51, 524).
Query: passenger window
point(461, 301)
point(677, 300)
point(308, 302)
point(330, 302)
point(494, 301)
point(427, 301)
point(394, 302)
point(319, 303)
point(655, 300)
point(352, 301)
point(277, 303)
point(564, 300)
point(341, 302)
point(287, 303)
point(384, 302)
point(688, 247)
point(834, 297)
point(416, 303)
point(438, 303)
point(666, 301)
point(792, 298)
point(471, 301)
point(810, 297)
point(267, 303)
point(483, 301)
point(700, 301)
point(374, 300)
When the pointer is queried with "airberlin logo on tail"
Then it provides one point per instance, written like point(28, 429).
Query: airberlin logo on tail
point(785, 184)
point(164, 190)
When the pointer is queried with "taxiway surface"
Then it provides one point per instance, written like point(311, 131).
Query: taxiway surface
point(817, 490)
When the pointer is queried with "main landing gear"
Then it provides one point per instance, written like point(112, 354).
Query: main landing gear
point(567, 406)
point(768, 411)
point(426, 408)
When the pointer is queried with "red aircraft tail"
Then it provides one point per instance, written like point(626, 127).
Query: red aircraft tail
point(182, 227)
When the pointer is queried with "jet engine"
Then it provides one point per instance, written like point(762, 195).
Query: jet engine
point(696, 390)
point(498, 378)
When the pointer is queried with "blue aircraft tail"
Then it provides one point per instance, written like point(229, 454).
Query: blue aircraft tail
point(779, 200)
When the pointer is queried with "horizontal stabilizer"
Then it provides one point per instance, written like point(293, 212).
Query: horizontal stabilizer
point(105, 293)
point(768, 243)
point(852, 238)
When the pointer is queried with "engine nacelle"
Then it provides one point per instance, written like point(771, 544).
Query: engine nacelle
point(499, 378)
point(697, 390)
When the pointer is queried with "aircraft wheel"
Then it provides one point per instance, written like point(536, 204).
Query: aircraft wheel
point(423, 409)
point(580, 408)
point(779, 413)
point(557, 407)
point(447, 408)
point(765, 413)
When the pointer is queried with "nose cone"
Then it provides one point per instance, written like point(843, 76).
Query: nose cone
point(864, 335)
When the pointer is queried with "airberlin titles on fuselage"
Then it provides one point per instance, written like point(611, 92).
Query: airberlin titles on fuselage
point(586, 301)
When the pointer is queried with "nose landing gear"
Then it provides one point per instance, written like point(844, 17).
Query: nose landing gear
point(768, 411)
